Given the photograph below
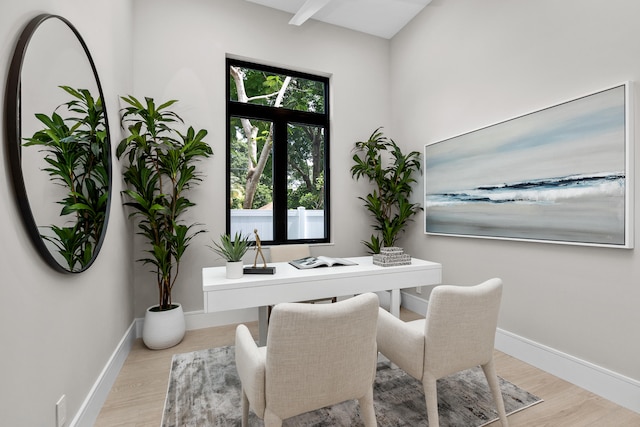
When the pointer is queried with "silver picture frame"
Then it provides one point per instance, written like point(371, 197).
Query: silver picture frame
point(562, 174)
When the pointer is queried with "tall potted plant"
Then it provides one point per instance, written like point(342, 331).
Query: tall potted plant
point(382, 162)
point(159, 170)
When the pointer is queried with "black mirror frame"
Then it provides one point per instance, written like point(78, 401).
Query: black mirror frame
point(13, 125)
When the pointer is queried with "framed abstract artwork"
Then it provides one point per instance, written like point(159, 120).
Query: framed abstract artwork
point(562, 174)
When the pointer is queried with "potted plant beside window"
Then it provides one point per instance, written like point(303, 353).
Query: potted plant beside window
point(232, 250)
point(382, 162)
point(159, 170)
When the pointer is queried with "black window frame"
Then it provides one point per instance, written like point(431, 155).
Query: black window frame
point(280, 117)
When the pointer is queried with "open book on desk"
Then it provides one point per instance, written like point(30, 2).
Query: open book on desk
point(320, 261)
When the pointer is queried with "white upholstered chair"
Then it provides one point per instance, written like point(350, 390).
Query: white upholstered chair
point(458, 333)
point(316, 356)
point(285, 253)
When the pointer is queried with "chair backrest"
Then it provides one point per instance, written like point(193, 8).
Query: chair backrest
point(284, 253)
point(460, 326)
point(320, 354)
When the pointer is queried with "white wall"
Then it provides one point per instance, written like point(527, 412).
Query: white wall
point(461, 65)
point(180, 54)
point(58, 331)
point(458, 66)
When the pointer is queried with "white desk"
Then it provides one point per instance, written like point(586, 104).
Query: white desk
point(289, 284)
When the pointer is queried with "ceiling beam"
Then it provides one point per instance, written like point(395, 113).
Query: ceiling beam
point(308, 9)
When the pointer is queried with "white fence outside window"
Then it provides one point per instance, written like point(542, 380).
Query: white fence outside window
point(301, 223)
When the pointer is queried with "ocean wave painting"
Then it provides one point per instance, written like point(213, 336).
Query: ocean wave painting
point(557, 175)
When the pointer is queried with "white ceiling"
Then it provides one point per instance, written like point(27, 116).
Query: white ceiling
point(382, 18)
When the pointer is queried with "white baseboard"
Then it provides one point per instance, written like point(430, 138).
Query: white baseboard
point(413, 303)
point(623, 391)
point(90, 408)
point(199, 319)
point(408, 301)
point(617, 388)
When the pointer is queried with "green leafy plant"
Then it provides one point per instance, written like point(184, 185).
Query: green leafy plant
point(232, 249)
point(382, 162)
point(77, 156)
point(159, 170)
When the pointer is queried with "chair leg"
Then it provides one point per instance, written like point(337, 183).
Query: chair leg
point(492, 378)
point(431, 398)
point(245, 409)
point(367, 410)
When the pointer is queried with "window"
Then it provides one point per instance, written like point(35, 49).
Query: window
point(277, 153)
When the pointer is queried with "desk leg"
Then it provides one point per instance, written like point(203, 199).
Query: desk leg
point(263, 323)
point(394, 301)
point(394, 308)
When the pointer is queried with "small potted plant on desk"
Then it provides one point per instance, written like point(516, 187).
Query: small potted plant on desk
point(232, 250)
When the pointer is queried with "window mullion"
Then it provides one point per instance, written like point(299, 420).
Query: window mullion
point(280, 168)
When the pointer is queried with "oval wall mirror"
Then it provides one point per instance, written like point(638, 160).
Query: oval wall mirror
point(58, 143)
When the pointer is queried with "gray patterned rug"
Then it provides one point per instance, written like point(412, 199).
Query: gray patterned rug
point(204, 390)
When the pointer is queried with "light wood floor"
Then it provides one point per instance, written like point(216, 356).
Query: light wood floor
point(137, 397)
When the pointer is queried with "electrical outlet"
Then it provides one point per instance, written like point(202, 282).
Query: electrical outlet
point(418, 289)
point(61, 411)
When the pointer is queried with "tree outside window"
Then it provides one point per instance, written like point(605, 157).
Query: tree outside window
point(277, 153)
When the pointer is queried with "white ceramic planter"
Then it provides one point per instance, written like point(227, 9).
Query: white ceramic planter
point(163, 329)
point(234, 269)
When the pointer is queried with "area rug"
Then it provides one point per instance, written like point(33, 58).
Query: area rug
point(204, 390)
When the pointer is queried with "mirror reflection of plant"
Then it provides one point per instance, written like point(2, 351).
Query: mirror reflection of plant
point(391, 172)
point(160, 169)
point(70, 243)
point(77, 156)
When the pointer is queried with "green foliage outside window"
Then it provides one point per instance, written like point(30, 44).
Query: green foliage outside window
point(306, 165)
